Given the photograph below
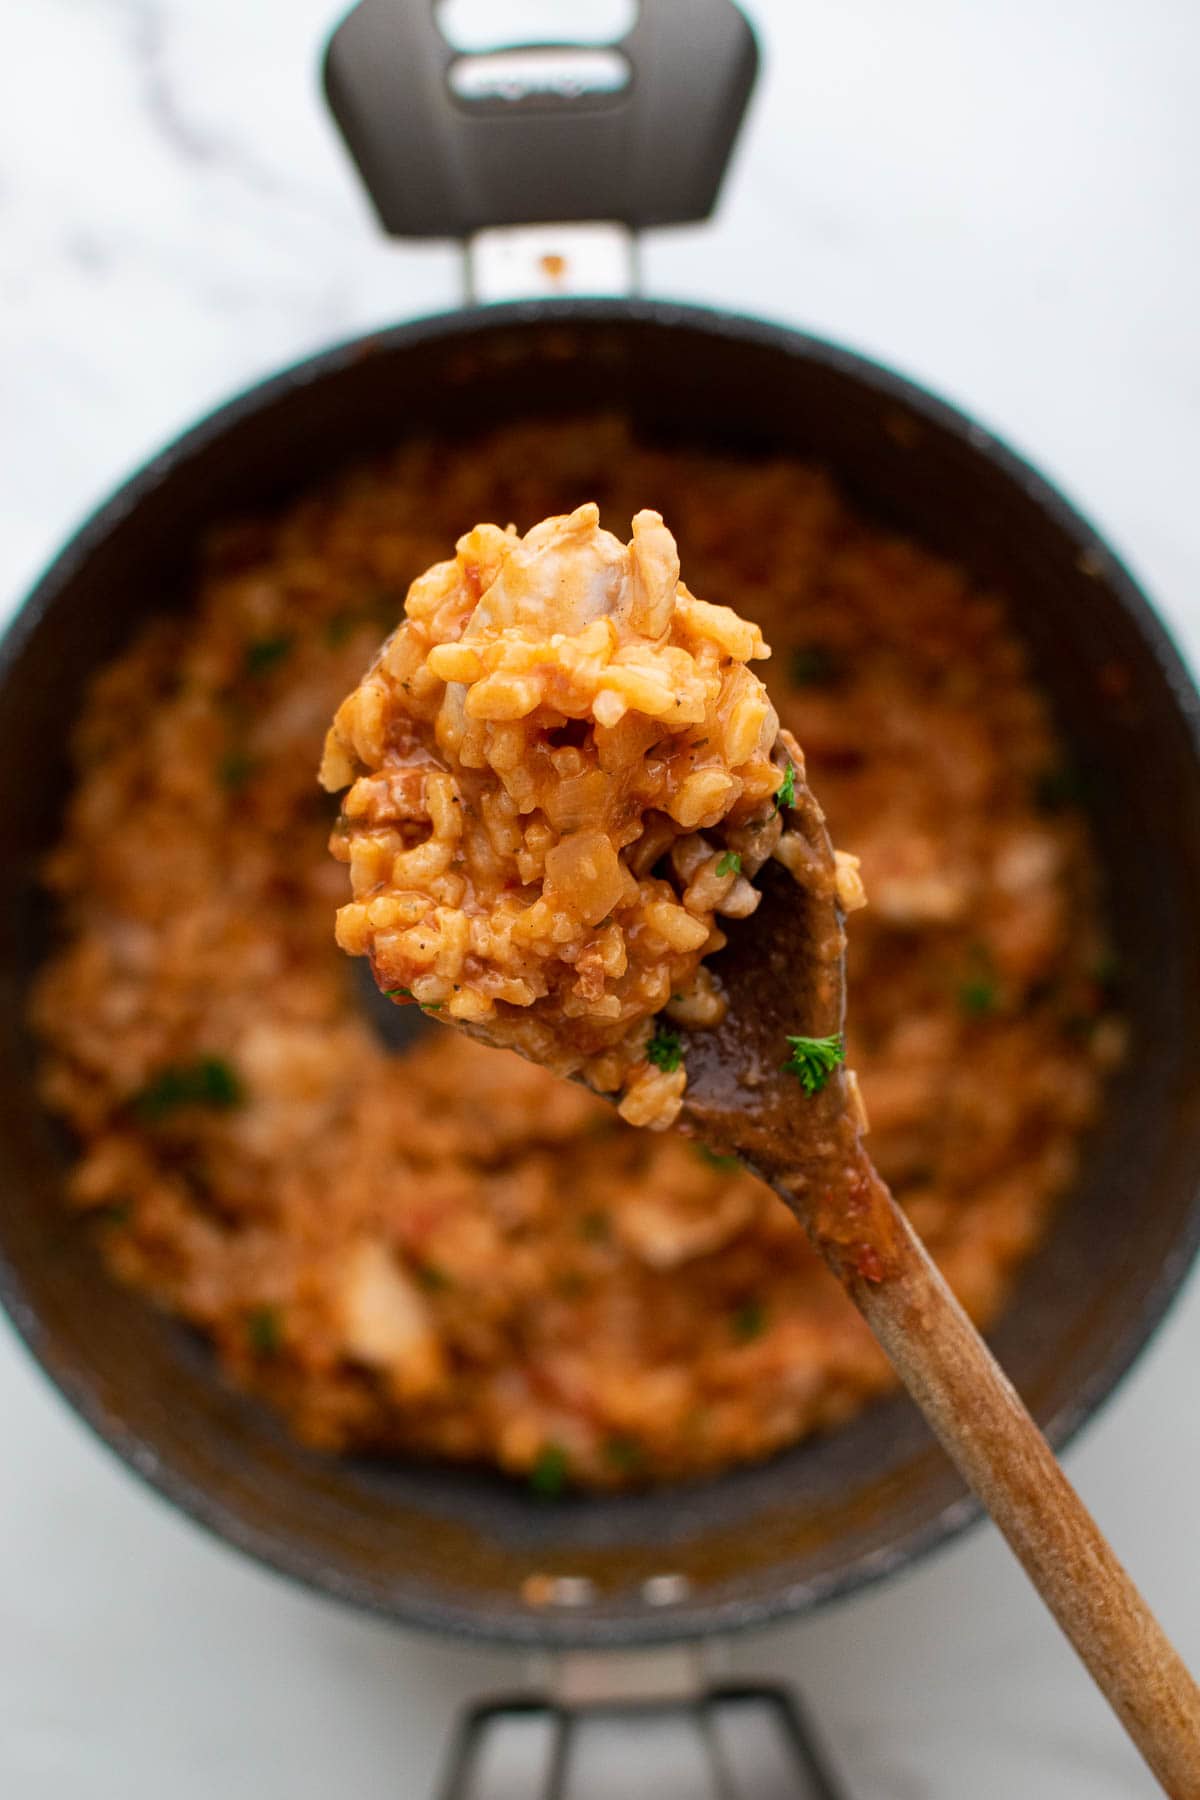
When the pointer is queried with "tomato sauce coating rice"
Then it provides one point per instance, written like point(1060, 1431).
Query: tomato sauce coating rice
point(443, 1250)
point(561, 774)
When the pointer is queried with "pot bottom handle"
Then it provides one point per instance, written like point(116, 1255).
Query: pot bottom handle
point(714, 1743)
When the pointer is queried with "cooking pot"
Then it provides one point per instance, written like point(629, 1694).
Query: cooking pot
point(451, 149)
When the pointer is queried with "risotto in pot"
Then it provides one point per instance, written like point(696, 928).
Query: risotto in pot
point(442, 1249)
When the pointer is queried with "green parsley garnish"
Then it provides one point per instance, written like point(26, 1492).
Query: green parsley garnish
point(267, 653)
point(786, 796)
point(813, 1060)
point(548, 1476)
point(1056, 788)
point(665, 1049)
point(625, 1454)
point(594, 1228)
point(209, 1081)
point(979, 991)
point(407, 994)
point(339, 626)
point(380, 609)
point(814, 666)
point(749, 1321)
point(264, 1330)
point(713, 1160)
point(116, 1214)
point(433, 1279)
point(235, 769)
point(730, 864)
point(1107, 973)
point(977, 997)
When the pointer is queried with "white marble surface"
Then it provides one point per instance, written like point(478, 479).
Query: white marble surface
point(1001, 198)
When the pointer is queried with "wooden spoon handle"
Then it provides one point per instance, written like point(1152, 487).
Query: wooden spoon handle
point(987, 1432)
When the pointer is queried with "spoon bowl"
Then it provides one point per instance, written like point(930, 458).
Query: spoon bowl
point(782, 971)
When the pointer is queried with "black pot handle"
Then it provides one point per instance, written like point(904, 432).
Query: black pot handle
point(637, 132)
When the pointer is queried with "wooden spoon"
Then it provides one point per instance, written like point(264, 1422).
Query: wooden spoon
point(784, 972)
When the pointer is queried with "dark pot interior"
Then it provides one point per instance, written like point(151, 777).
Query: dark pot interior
point(448, 1549)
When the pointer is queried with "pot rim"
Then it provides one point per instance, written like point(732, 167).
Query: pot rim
point(608, 1626)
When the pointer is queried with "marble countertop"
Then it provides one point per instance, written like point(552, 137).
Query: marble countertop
point(1001, 200)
